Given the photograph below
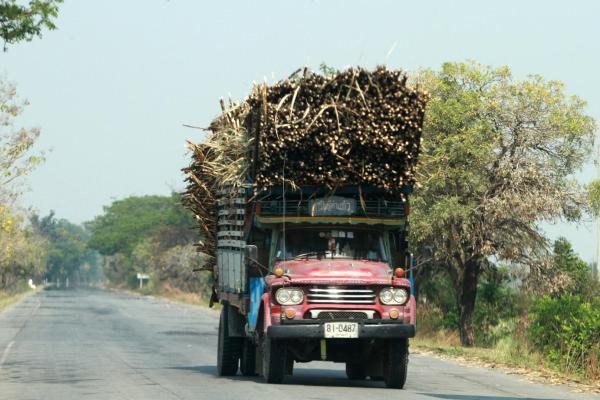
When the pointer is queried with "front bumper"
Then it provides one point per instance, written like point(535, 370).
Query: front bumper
point(368, 329)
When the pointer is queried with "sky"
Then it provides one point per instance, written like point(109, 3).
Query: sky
point(112, 87)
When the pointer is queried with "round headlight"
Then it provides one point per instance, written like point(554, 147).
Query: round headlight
point(297, 296)
point(289, 296)
point(386, 296)
point(282, 295)
point(400, 296)
point(393, 296)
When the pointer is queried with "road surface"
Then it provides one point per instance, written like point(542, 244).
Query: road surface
point(95, 344)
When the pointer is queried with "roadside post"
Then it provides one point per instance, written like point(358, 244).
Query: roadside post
point(141, 277)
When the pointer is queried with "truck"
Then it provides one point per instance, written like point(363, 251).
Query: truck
point(305, 274)
point(301, 193)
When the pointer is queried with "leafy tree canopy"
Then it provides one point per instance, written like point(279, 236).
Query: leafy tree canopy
point(125, 223)
point(67, 250)
point(24, 22)
point(16, 159)
point(578, 271)
point(497, 159)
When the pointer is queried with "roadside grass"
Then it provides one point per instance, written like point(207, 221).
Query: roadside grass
point(8, 297)
point(511, 353)
point(168, 292)
point(180, 296)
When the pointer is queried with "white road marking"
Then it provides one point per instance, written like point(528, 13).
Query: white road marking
point(5, 354)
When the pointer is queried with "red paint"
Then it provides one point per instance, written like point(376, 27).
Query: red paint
point(339, 268)
point(266, 303)
point(337, 272)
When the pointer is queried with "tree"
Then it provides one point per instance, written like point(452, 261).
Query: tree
point(22, 250)
point(127, 222)
point(578, 271)
point(67, 251)
point(16, 159)
point(19, 22)
point(497, 159)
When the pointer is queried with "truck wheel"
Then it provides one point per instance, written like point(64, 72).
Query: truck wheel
point(273, 361)
point(396, 364)
point(356, 371)
point(248, 359)
point(228, 350)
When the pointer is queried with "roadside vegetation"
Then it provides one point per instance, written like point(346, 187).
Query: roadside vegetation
point(498, 158)
point(517, 328)
point(151, 235)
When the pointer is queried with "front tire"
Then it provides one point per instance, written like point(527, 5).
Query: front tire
point(396, 364)
point(274, 360)
point(228, 348)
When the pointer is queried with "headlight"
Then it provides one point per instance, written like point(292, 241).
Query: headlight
point(393, 296)
point(289, 296)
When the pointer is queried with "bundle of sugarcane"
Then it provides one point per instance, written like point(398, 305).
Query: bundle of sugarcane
point(355, 127)
point(221, 159)
point(199, 198)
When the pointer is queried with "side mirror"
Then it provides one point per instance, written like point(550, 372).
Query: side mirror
point(251, 252)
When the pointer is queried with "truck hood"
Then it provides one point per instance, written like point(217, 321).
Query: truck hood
point(338, 271)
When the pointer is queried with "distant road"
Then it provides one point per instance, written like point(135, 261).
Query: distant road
point(93, 344)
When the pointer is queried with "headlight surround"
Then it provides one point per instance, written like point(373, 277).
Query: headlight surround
point(393, 296)
point(287, 296)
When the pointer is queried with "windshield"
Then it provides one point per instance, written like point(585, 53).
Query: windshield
point(355, 244)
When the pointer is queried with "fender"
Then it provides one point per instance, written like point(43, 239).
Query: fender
point(412, 304)
point(266, 308)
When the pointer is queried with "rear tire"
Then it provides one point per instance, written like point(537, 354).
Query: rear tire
point(273, 362)
point(396, 364)
point(248, 359)
point(356, 371)
point(228, 348)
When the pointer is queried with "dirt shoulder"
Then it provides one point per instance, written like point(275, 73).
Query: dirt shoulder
point(529, 368)
point(7, 299)
point(168, 294)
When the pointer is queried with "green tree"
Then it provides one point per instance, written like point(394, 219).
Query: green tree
point(497, 159)
point(127, 222)
point(22, 249)
point(24, 22)
point(67, 250)
point(578, 271)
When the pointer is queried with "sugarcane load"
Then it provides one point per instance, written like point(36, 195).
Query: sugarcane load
point(301, 197)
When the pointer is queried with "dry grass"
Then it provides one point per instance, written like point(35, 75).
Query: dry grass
point(509, 355)
point(178, 295)
point(8, 298)
point(170, 293)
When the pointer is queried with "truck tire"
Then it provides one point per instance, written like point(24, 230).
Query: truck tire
point(273, 362)
point(228, 350)
point(396, 364)
point(248, 359)
point(356, 371)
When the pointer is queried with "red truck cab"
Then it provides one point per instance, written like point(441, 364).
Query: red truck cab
point(326, 279)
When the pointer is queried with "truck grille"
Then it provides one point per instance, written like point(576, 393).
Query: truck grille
point(336, 295)
point(342, 315)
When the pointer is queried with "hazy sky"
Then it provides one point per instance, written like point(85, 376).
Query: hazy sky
point(113, 85)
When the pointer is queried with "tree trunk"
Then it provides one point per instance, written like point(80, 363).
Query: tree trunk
point(466, 301)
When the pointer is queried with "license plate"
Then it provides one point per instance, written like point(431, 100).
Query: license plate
point(341, 329)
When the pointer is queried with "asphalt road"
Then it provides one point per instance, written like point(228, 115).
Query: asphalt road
point(94, 344)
